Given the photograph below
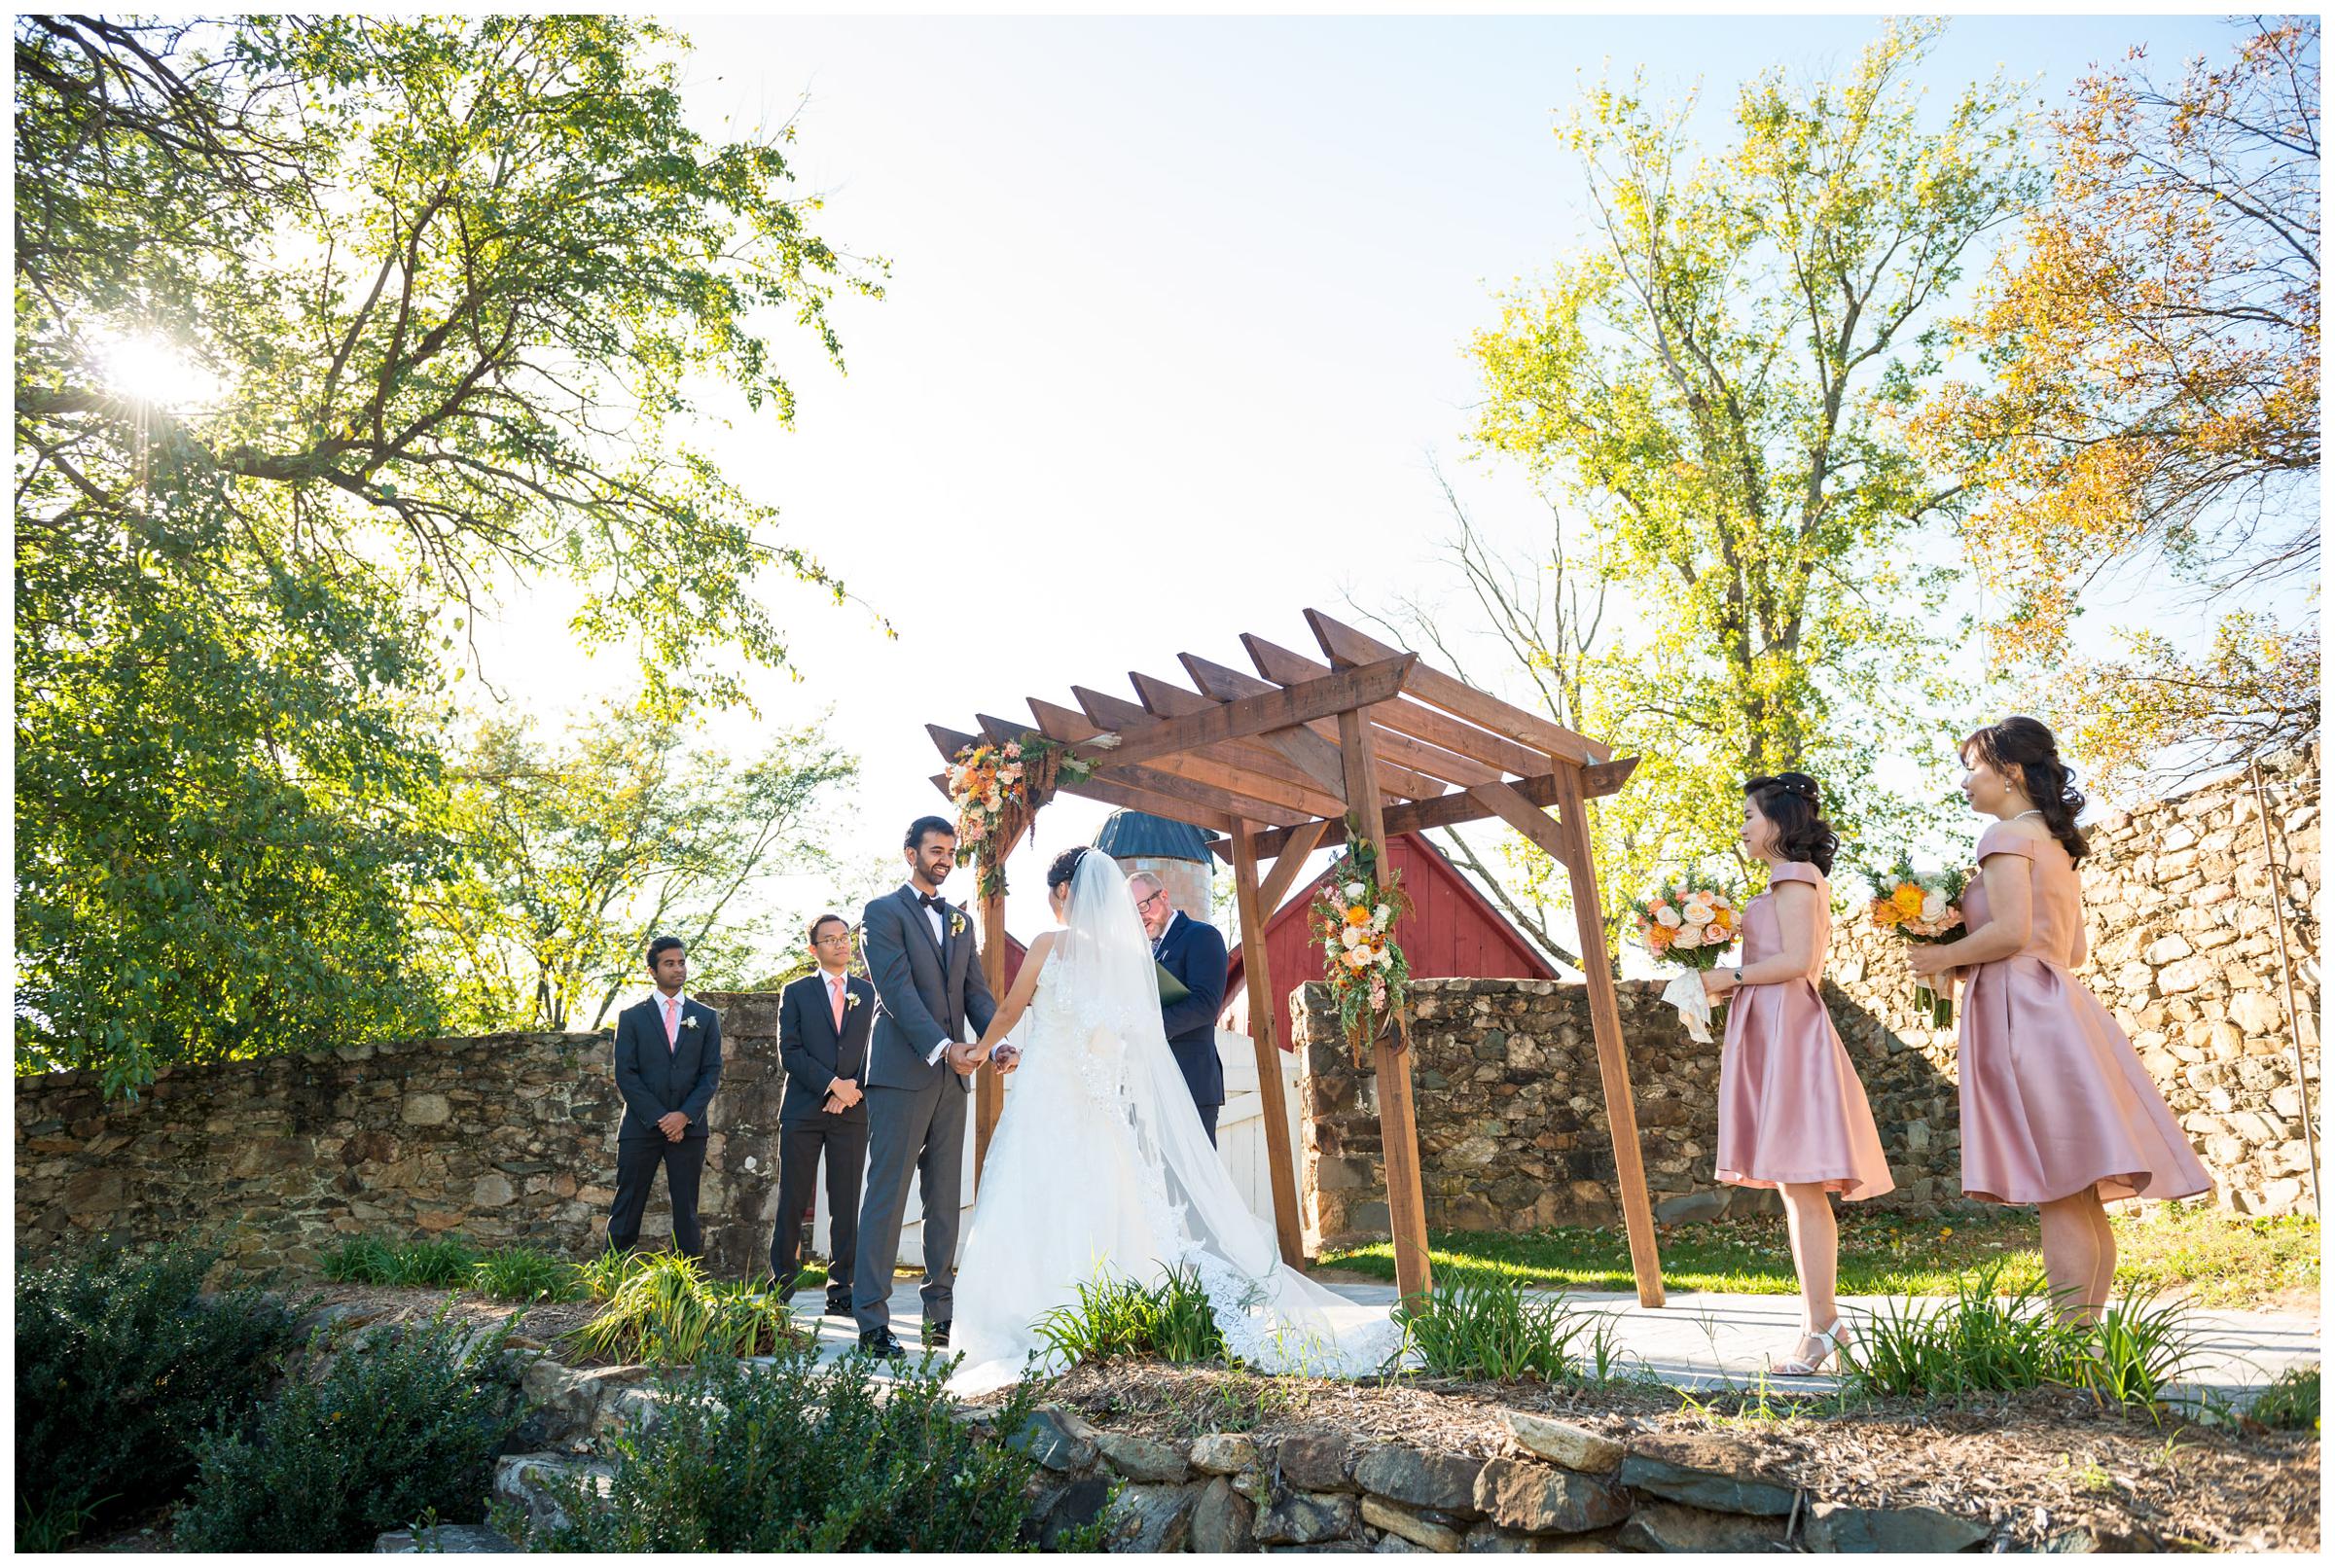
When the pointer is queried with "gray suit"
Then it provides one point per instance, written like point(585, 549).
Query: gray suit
point(927, 991)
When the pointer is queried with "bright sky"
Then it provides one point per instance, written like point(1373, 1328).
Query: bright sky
point(1175, 319)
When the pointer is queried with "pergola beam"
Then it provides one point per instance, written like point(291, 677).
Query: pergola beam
point(1171, 778)
point(1275, 710)
point(1346, 646)
point(1246, 765)
point(1285, 667)
point(1466, 805)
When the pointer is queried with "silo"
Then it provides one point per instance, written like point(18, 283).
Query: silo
point(1176, 852)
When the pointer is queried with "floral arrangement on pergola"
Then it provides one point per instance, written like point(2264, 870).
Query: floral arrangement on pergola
point(1304, 754)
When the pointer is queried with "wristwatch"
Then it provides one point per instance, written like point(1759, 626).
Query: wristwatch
point(1738, 975)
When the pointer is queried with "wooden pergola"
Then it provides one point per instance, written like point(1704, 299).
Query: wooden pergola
point(1275, 762)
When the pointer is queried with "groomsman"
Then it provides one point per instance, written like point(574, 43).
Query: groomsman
point(669, 1061)
point(823, 1023)
point(1193, 951)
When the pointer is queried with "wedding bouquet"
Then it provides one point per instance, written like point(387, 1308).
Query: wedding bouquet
point(1920, 906)
point(1691, 926)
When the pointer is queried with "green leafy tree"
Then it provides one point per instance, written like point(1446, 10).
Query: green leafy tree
point(571, 858)
point(327, 331)
point(1711, 383)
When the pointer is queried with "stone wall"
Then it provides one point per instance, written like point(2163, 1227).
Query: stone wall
point(2180, 922)
point(511, 1138)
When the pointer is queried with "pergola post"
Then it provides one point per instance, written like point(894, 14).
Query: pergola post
point(989, 1089)
point(1605, 1021)
point(1264, 1038)
point(1398, 1123)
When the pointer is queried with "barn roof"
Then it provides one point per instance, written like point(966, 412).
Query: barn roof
point(1426, 873)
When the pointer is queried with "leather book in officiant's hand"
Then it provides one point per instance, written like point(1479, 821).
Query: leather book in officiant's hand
point(1171, 989)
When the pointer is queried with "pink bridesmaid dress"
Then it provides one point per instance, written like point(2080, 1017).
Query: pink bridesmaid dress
point(2054, 1098)
point(1790, 1106)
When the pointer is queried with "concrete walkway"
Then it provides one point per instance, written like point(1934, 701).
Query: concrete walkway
point(1708, 1340)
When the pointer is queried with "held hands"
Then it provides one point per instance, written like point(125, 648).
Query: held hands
point(964, 1058)
point(1006, 1058)
point(844, 1093)
point(673, 1125)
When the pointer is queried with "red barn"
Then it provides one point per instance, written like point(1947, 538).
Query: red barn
point(1453, 930)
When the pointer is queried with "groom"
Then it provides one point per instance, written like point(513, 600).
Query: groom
point(929, 990)
point(1193, 952)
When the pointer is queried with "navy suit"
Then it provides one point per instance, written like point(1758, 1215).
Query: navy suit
point(1193, 951)
point(653, 1080)
point(816, 1054)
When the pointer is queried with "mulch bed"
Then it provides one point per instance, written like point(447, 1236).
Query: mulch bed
point(544, 1322)
point(2035, 1464)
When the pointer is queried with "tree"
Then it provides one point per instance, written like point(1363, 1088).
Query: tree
point(328, 330)
point(2153, 401)
point(571, 859)
point(1708, 381)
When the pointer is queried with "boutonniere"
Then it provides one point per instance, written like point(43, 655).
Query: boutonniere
point(851, 1000)
point(690, 1023)
point(956, 924)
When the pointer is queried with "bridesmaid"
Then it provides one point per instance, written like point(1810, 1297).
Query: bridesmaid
point(2056, 1110)
point(1792, 1114)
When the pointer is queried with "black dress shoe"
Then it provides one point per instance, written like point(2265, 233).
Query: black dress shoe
point(880, 1343)
point(936, 1335)
point(838, 1306)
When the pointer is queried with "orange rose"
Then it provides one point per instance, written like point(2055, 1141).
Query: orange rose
point(1908, 898)
point(1361, 916)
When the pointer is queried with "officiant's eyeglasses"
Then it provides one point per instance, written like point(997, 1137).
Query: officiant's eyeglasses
point(1145, 904)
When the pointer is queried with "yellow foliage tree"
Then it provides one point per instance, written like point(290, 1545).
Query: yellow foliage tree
point(2152, 402)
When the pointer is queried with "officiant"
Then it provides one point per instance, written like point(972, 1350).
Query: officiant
point(1192, 967)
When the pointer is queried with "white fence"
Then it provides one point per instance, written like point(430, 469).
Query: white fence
point(1239, 1140)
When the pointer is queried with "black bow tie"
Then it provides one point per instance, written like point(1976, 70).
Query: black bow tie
point(932, 901)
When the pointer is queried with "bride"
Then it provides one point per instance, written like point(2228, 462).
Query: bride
point(1100, 1167)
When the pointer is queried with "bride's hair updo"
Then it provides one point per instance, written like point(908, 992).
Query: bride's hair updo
point(1791, 801)
point(1064, 867)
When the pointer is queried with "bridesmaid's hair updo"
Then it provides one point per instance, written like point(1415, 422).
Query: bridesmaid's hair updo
point(2021, 750)
point(1789, 801)
point(1064, 867)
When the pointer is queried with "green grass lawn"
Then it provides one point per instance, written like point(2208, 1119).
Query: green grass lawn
point(2215, 1259)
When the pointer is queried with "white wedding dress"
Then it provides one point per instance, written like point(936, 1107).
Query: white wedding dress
point(1100, 1167)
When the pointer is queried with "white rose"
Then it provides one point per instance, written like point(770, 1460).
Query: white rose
point(1350, 936)
point(1356, 958)
point(1353, 891)
point(1688, 936)
point(1934, 905)
point(1699, 899)
point(1667, 916)
point(1381, 916)
point(1698, 914)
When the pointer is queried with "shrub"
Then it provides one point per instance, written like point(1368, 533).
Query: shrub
point(790, 1457)
point(667, 1310)
point(404, 1422)
point(1488, 1327)
point(2289, 1402)
point(1121, 1318)
point(123, 1366)
point(440, 1261)
point(358, 1261)
point(1981, 1342)
point(601, 1278)
point(523, 1274)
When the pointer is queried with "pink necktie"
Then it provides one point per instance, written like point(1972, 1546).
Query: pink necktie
point(834, 999)
point(672, 1024)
